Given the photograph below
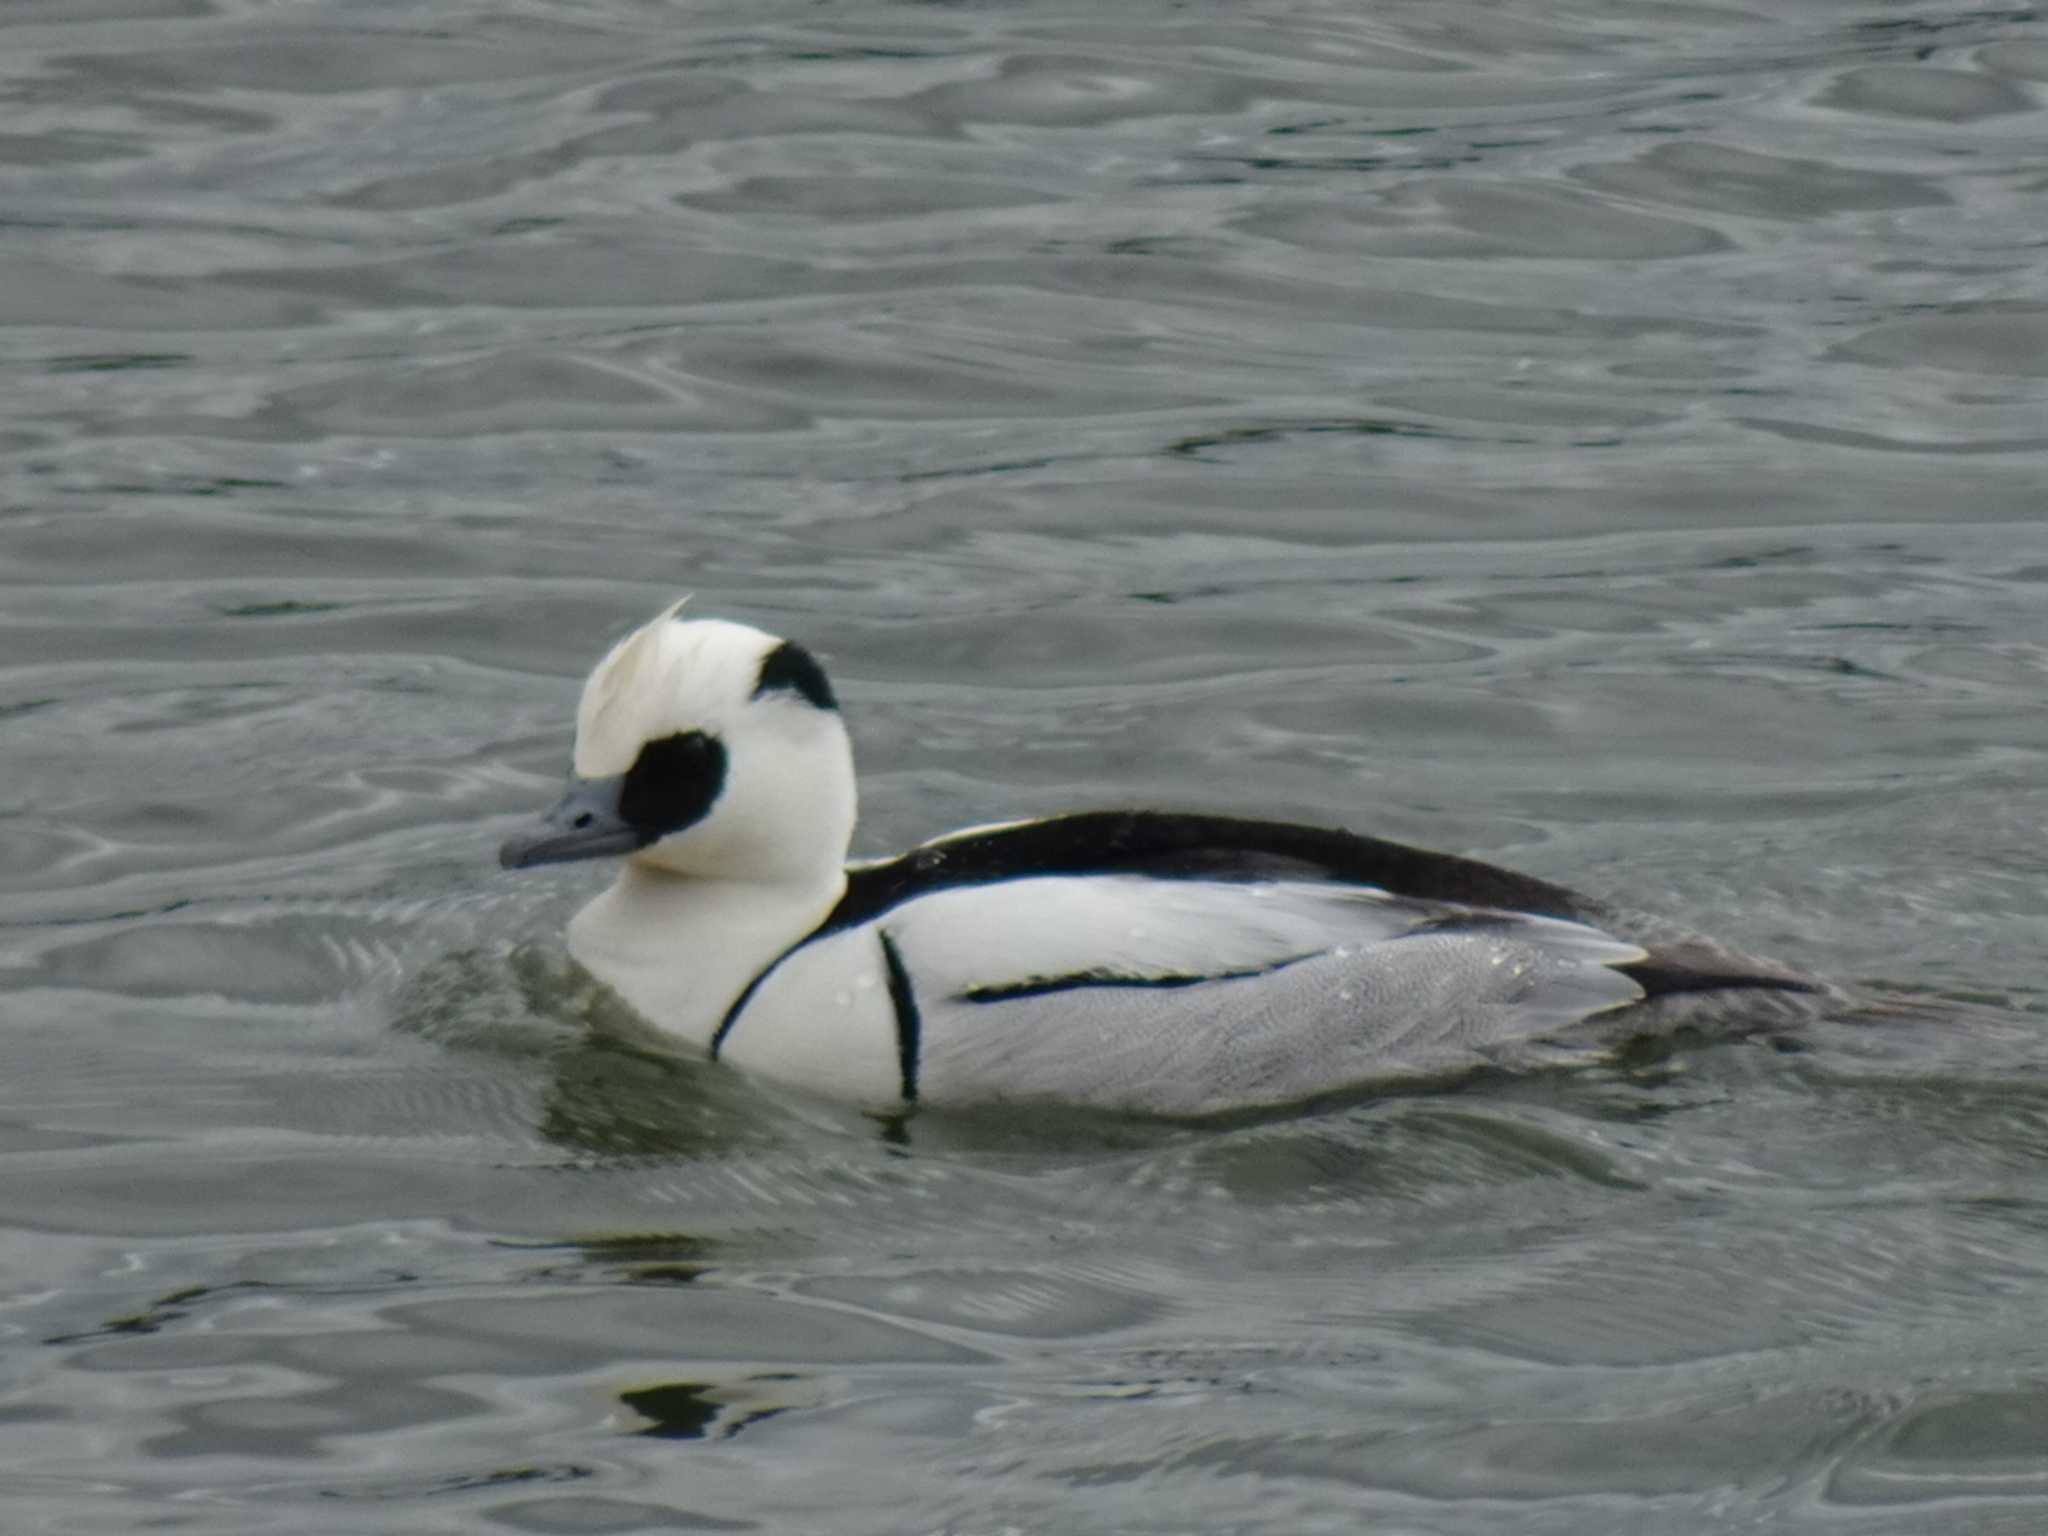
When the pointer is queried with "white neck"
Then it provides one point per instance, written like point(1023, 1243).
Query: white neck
point(681, 949)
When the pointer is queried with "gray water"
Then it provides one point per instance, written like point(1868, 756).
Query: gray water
point(1604, 438)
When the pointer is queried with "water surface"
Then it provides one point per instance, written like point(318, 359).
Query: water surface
point(1607, 439)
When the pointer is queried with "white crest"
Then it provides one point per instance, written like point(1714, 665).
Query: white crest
point(622, 673)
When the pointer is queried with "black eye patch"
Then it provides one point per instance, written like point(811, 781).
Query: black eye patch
point(671, 784)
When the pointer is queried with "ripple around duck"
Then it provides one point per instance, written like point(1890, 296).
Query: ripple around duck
point(2025, 60)
point(314, 1414)
point(1633, 1456)
point(1943, 95)
point(1043, 1302)
point(1950, 1445)
point(515, 392)
point(1726, 179)
point(1466, 218)
point(2008, 340)
point(842, 199)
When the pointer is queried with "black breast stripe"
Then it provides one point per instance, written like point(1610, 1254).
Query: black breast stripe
point(739, 1004)
point(909, 1027)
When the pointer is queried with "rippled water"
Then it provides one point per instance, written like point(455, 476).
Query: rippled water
point(1606, 438)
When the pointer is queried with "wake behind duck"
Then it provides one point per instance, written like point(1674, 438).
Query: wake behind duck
point(1126, 960)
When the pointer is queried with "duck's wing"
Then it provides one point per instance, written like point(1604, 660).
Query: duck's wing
point(1189, 997)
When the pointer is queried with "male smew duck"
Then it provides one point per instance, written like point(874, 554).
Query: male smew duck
point(1142, 961)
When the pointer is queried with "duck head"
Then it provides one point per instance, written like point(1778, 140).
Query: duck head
point(704, 749)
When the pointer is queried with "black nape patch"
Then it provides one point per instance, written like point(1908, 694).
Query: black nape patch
point(789, 666)
point(671, 784)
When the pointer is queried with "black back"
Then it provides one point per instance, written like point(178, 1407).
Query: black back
point(1169, 846)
